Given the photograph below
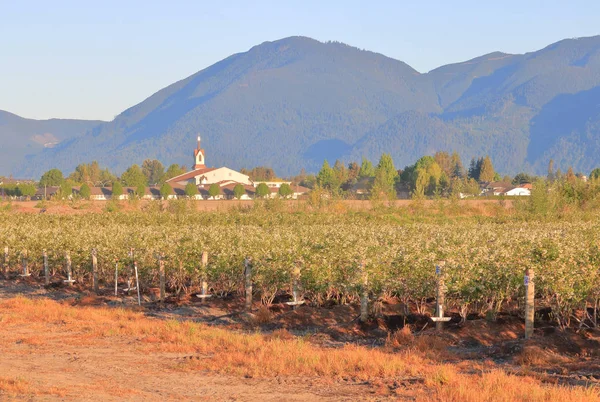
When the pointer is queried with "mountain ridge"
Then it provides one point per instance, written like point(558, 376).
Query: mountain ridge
point(290, 103)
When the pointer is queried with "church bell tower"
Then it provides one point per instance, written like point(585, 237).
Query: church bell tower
point(199, 157)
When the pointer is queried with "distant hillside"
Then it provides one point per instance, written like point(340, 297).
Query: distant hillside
point(293, 102)
point(20, 137)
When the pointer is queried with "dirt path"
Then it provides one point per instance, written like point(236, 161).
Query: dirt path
point(50, 366)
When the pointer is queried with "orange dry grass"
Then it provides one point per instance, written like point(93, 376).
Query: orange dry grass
point(222, 351)
point(219, 350)
point(497, 386)
point(10, 387)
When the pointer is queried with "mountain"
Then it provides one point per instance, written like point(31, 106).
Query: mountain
point(293, 102)
point(20, 137)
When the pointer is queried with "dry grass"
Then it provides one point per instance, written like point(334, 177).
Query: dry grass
point(497, 386)
point(12, 387)
point(278, 354)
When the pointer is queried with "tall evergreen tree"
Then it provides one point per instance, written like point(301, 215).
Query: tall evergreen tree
point(486, 172)
point(366, 169)
point(327, 177)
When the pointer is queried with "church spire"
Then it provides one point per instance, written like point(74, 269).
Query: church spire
point(199, 156)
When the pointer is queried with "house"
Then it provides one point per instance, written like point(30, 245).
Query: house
point(45, 193)
point(517, 191)
point(495, 188)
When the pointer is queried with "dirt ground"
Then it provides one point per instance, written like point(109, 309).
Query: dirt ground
point(114, 370)
point(40, 363)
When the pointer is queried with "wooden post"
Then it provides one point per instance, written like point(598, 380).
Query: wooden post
point(24, 261)
point(248, 278)
point(296, 288)
point(95, 270)
point(137, 283)
point(441, 295)
point(69, 271)
point(204, 278)
point(129, 279)
point(161, 272)
point(46, 269)
point(529, 302)
point(364, 295)
point(6, 262)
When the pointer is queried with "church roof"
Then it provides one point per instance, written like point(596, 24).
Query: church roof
point(190, 174)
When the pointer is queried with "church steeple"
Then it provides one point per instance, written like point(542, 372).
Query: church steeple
point(199, 157)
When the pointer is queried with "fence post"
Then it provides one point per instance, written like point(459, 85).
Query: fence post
point(95, 270)
point(69, 272)
point(364, 296)
point(248, 278)
point(529, 302)
point(204, 278)
point(161, 274)
point(24, 261)
point(137, 282)
point(6, 262)
point(116, 277)
point(441, 295)
point(46, 270)
point(131, 268)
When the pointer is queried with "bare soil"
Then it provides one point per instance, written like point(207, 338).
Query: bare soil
point(51, 369)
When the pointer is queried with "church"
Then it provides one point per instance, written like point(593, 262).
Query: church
point(203, 177)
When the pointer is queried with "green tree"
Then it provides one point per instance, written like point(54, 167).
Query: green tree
point(327, 178)
point(353, 171)
point(262, 190)
point(140, 190)
point(214, 190)
point(387, 171)
point(522, 178)
point(341, 172)
point(285, 190)
point(165, 191)
point(85, 192)
point(52, 177)
point(595, 174)
point(174, 170)
point(134, 177)
point(117, 190)
point(239, 191)
point(445, 162)
point(154, 171)
point(191, 190)
point(458, 171)
point(26, 190)
point(106, 177)
point(486, 173)
point(66, 189)
point(366, 169)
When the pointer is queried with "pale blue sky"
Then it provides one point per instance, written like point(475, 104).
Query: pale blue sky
point(92, 60)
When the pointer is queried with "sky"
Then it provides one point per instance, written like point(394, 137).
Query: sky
point(92, 60)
